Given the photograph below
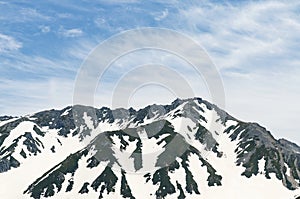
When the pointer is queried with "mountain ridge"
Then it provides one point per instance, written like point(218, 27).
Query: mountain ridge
point(199, 127)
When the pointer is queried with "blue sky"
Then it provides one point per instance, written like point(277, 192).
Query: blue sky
point(254, 44)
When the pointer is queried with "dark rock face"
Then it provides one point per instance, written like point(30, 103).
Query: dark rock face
point(4, 118)
point(256, 143)
point(54, 120)
point(84, 188)
point(7, 163)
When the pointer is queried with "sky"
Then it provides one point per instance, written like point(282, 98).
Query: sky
point(253, 44)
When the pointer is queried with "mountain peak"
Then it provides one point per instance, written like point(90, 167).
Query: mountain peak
point(187, 149)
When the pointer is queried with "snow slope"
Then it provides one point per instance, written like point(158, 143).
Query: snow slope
point(188, 149)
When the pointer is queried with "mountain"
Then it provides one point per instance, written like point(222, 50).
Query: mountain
point(187, 149)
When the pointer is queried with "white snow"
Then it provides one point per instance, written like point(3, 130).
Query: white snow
point(261, 166)
point(123, 157)
point(288, 171)
point(7, 121)
point(34, 167)
point(88, 121)
point(66, 112)
point(139, 187)
point(23, 127)
point(234, 185)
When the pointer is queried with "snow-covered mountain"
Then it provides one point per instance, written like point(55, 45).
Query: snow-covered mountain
point(188, 149)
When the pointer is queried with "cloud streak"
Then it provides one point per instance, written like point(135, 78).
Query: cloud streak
point(74, 32)
point(8, 43)
point(246, 35)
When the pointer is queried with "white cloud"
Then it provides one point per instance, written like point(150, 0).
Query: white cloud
point(45, 29)
point(245, 35)
point(74, 32)
point(37, 65)
point(162, 15)
point(29, 14)
point(99, 22)
point(65, 15)
point(8, 43)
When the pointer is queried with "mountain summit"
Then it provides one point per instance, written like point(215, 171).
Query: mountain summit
point(187, 149)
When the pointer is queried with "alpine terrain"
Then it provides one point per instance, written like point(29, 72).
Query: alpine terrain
point(187, 149)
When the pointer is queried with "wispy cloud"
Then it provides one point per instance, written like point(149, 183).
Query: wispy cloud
point(162, 15)
point(32, 14)
point(74, 32)
point(65, 15)
point(45, 29)
point(20, 67)
point(13, 13)
point(8, 43)
point(237, 33)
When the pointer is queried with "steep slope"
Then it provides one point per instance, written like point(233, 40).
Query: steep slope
point(105, 151)
point(188, 149)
